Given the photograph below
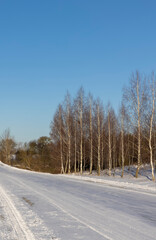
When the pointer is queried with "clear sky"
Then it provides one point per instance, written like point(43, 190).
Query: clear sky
point(50, 46)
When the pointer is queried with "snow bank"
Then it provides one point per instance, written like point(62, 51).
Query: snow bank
point(143, 183)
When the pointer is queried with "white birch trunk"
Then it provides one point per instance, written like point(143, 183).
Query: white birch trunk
point(75, 145)
point(81, 130)
point(99, 137)
point(109, 146)
point(61, 152)
point(91, 139)
point(150, 134)
point(122, 142)
point(69, 142)
point(139, 130)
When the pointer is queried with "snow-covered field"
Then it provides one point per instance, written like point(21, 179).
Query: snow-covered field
point(44, 206)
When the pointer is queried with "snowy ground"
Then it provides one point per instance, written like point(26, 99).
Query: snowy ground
point(43, 206)
point(143, 184)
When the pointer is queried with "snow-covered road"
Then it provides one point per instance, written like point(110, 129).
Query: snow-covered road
point(43, 206)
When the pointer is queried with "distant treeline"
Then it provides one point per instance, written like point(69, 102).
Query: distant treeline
point(86, 135)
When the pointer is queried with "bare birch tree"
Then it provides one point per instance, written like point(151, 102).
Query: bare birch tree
point(109, 143)
point(99, 138)
point(61, 139)
point(91, 132)
point(134, 98)
point(151, 125)
point(75, 138)
point(68, 123)
point(102, 142)
point(122, 112)
point(149, 117)
point(80, 110)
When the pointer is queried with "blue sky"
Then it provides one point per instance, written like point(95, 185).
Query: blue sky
point(49, 47)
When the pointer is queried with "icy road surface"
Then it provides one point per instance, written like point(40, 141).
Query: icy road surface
point(43, 206)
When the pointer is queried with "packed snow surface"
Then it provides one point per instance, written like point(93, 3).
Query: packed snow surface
point(35, 206)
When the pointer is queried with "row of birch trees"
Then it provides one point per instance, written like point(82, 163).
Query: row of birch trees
point(90, 136)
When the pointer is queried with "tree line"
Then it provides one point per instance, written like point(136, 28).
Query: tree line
point(36, 155)
point(91, 137)
point(86, 135)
